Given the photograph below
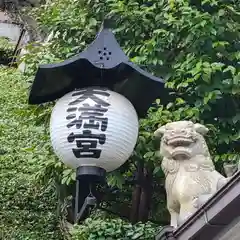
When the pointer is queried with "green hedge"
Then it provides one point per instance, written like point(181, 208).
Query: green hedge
point(27, 208)
point(106, 229)
point(6, 50)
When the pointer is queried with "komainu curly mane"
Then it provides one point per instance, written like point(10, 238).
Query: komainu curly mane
point(187, 165)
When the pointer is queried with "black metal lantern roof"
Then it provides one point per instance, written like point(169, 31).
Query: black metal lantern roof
point(103, 63)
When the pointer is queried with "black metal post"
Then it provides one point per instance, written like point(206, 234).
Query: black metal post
point(87, 177)
point(15, 52)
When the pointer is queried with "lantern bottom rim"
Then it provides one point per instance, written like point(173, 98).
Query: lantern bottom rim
point(92, 173)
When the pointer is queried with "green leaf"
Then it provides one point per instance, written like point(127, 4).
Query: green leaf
point(156, 170)
point(148, 155)
point(231, 69)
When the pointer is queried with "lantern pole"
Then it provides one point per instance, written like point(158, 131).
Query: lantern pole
point(87, 177)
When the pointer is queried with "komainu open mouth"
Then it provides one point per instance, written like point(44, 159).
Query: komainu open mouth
point(179, 141)
point(181, 153)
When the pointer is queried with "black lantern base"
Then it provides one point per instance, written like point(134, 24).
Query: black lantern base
point(91, 174)
point(87, 177)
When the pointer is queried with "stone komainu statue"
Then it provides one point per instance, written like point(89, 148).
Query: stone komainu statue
point(190, 174)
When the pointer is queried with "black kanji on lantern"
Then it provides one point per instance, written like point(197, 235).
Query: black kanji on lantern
point(91, 93)
point(91, 117)
point(87, 144)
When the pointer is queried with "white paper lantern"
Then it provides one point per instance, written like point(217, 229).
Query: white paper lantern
point(94, 127)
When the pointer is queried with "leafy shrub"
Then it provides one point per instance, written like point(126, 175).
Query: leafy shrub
point(6, 50)
point(103, 229)
point(27, 208)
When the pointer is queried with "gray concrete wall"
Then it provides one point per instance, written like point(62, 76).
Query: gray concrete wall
point(3, 16)
point(12, 31)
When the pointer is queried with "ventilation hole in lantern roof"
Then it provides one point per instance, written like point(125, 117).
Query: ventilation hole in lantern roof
point(99, 52)
point(105, 54)
point(105, 48)
point(107, 58)
point(101, 58)
point(109, 53)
